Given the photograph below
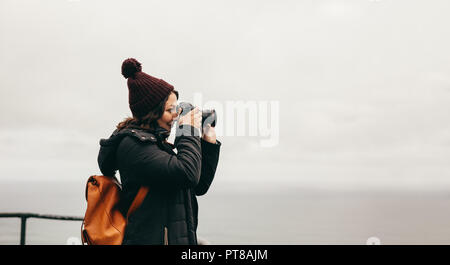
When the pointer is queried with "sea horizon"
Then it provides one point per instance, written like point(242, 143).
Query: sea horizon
point(262, 215)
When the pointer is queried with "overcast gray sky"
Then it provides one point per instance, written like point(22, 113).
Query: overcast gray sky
point(363, 86)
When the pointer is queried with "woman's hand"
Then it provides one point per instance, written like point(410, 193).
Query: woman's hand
point(192, 118)
point(209, 134)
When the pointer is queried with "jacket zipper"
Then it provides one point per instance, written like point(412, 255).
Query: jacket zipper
point(166, 237)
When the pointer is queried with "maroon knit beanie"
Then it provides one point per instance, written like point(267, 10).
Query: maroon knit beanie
point(145, 92)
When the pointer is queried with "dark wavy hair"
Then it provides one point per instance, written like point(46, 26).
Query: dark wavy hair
point(148, 121)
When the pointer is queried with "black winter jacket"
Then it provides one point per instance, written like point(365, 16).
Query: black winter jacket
point(143, 157)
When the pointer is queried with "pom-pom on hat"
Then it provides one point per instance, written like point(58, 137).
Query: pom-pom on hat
point(145, 92)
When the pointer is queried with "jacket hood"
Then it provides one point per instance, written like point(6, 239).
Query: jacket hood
point(108, 147)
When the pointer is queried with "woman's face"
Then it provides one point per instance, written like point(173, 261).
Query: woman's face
point(169, 115)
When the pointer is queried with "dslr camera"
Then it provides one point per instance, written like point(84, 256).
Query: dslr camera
point(208, 116)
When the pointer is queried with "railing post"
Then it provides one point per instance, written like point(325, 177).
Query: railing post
point(23, 227)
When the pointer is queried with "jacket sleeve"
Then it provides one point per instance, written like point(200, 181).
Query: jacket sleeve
point(210, 159)
point(152, 166)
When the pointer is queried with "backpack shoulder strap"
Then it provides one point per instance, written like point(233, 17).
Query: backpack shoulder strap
point(143, 190)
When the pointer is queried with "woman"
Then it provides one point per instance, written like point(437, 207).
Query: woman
point(138, 148)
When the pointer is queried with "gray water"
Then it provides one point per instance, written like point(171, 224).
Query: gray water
point(252, 215)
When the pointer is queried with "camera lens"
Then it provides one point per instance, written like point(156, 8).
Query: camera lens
point(209, 117)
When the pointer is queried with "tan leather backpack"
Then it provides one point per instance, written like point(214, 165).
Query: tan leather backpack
point(103, 223)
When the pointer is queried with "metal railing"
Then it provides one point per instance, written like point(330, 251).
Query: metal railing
point(24, 216)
